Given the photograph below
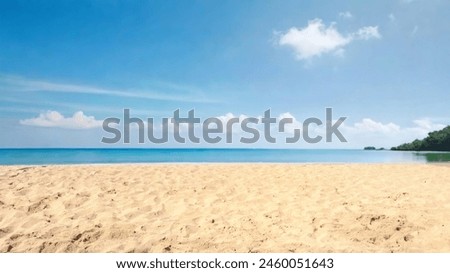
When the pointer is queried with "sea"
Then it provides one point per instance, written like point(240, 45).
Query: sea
point(113, 156)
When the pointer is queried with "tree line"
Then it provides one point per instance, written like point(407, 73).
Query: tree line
point(435, 141)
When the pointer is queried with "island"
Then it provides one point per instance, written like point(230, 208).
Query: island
point(372, 148)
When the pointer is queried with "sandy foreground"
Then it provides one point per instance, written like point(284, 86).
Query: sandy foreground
point(226, 208)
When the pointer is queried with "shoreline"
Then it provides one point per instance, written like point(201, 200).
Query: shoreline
point(41, 157)
point(222, 163)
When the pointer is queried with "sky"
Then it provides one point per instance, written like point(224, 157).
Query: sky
point(65, 66)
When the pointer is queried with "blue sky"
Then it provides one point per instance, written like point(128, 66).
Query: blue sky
point(382, 64)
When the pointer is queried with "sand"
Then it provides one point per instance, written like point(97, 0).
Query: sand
point(225, 208)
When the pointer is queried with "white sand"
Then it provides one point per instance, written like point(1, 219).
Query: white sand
point(226, 208)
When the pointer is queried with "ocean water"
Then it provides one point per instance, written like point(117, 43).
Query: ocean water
point(104, 156)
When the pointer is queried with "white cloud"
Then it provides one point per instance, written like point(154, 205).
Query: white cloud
point(225, 118)
point(54, 119)
point(370, 132)
point(369, 125)
point(313, 40)
point(236, 128)
point(424, 126)
point(420, 129)
point(20, 84)
point(359, 134)
point(366, 33)
point(290, 127)
point(317, 39)
point(345, 15)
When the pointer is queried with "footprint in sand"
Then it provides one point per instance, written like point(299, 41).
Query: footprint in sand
point(87, 236)
point(393, 231)
point(43, 203)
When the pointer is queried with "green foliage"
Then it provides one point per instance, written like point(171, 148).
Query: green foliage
point(435, 141)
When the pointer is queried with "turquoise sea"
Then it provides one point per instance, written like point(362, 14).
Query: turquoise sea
point(104, 156)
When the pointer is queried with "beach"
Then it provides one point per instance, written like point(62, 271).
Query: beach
point(225, 208)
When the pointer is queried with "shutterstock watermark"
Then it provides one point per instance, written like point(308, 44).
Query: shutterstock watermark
point(212, 130)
